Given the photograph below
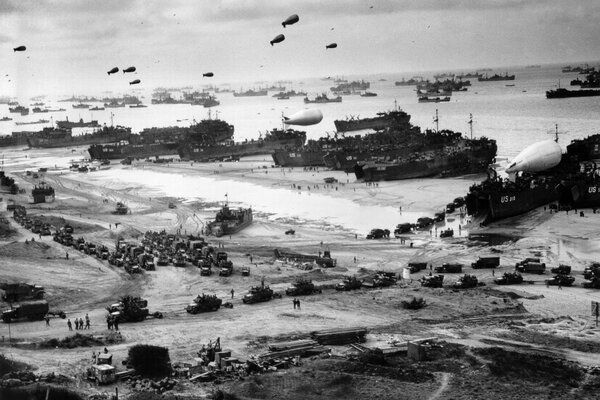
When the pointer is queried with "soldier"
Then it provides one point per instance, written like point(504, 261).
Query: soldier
point(67, 256)
point(76, 321)
point(80, 323)
point(294, 301)
point(298, 303)
point(47, 318)
point(116, 324)
point(109, 322)
point(69, 324)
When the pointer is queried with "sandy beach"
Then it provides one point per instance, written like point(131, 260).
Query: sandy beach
point(85, 285)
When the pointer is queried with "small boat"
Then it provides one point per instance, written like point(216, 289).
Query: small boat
point(368, 94)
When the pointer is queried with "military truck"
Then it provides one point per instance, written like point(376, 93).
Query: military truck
point(527, 260)
point(486, 262)
point(416, 266)
point(204, 303)
point(447, 233)
point(302, 287)
point(102, 374)
point(561, 280)
point(434, 281)
point(245, 271)
point(509, 278)
point(449, 268)
point(258, 294)
point(378, 233)
point(424, 222)
point(532, 268)
point(465, 282)
point(120, 209)
point(32, 310)
point(179, 260)
point(561, 269)
point(21, 291)
point(205, 267)
point(129, 309)
point(439, 216)
point(225, 268)
point(592, 271)
point(402, 228)
point(349, 283)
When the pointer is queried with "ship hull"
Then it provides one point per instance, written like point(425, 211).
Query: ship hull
point(465, 162)
point(368, 123)
point(81, 140)
point(146, 150)
point(579, 194)
point(299, 158)
point(563, 94)
point(194, 152)
point(509, 203)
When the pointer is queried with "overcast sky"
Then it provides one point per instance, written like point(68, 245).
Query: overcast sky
point(71, 44)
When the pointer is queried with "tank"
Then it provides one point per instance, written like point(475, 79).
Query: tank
point(465, 282)
point(561, 280)
point(561, 270)
point(302, 287)
point(434, 281)
point(349, 283)
point(120, 209)
point(258, 294)
point(204, 303)
point(509, 278)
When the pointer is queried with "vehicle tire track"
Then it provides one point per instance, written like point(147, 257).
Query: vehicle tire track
point(443, 386)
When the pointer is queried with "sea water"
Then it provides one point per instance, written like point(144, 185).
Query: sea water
point(515, 116)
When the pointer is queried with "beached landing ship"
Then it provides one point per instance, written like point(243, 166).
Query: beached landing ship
point(542, 176)
point(275, 140)
point(154, 142)
point(382, 120)
point(457, 156)
point(42, 193)
point(228, 222)
point(62, 137)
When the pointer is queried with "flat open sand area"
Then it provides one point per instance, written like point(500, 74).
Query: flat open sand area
point(531, 317)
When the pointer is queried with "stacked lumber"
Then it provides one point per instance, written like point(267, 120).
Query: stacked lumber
point(340, 336)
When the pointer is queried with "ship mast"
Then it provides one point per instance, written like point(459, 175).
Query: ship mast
point(471, 124)
point(111, 118)
point(437, 121)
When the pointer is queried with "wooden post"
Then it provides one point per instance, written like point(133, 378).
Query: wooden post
point(47, 392)
point(117, 393)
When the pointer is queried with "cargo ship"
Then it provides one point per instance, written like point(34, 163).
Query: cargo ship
point(228, 222)
point(61, 137)
point(290, 93)
point(250, 93)
point(19, 109)
point(410, 82)
point(540, 175)
point(152, 142)
point(562, 93)
point(274, 140)
point(66, 124)
point(354, 86)
point(496, 77)
point(436, 99)
point(323, 99)
point(453, 156)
